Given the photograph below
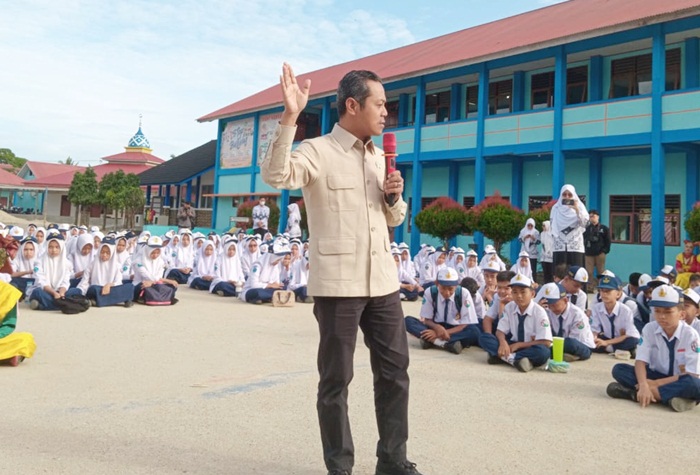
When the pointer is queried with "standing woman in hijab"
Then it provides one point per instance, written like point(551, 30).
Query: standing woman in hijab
point(546, 252)
point(569, 218)
point(530, 238)
point(294, 221)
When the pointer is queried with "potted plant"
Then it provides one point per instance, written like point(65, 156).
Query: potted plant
point(444, 218)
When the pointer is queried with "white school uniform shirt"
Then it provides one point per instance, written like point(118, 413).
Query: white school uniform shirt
point(695, 325)
point(266, 270)
point(581, 300)
point(467, 315)
point(299, 275)
point(632, 304)
point(652, 349)
point(53, 271)
point(492, 311)
point(102, 273)
point(600, 321)
point(575, 325)
point(475, 273)
point(146, 268)
point(479, 306)
point(536, 324)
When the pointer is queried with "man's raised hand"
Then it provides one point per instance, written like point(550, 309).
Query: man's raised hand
point(294, 96)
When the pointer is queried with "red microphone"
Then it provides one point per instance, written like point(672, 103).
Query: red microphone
point(389, 145)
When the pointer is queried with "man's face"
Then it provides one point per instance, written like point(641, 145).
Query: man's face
point(262, 201)
point(373, 114)
point(667, 317)
point(594, 218)
point(522, 296)
point(490, 278)
point(503, 289)
point(559, 306)
point(609, 296)
point(447, 291)
point(571, 285)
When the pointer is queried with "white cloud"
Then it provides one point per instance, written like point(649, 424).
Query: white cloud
point(82, 71)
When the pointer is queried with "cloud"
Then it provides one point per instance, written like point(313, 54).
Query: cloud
point(82, 71)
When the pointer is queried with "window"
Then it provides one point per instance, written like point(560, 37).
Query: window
point(500, 97)
point(632, 76)
point(423, 203)
point(537, 202)
point(308, 126)
point(392, 115)
point(543, 90)
point(437, 107)
point(206, 201)
point(577, 85)
point(630, 219)
point(472, 105)
point(469, 201)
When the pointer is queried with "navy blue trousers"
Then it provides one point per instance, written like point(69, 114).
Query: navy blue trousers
point(178, 276)
point(686, 387)
point(574, 347)
point(259, 294)
point(468, 336)
point(629, 344)
point(227, 288)
point(200, 284)
point(117, 295)
point(537, 354)
point(44, 298)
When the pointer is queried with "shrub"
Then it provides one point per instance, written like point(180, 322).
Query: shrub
point(692, 223)
point(444, 218)
point(498, 220)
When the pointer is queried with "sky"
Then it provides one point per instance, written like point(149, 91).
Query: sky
point(77, 75)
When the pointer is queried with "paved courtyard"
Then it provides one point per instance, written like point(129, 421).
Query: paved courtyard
point(215, 386)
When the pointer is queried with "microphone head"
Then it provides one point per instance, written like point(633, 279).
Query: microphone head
point(389, 142)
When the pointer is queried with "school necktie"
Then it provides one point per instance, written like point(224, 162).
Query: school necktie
point(574, 298)
point(561, 326)
point(521, 327)
point(612, 325)
point(447, 309)
point(671, 344)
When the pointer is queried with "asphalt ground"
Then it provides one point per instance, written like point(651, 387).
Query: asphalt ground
point(215, 386)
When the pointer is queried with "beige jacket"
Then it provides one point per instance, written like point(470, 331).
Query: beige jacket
point(342, 181)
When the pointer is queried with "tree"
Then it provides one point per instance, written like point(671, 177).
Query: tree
point(498, 220)
point(83, 191)
point(120, 192)
point(540, 215)
point(444, 218)
point(9, 158)
point(692, 223)
point(68, 161)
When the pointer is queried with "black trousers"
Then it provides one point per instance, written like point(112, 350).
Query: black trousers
point(382, 322)
point(569, 258)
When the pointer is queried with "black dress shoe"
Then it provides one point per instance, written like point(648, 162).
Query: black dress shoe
point(340, 472)
point(396, 468)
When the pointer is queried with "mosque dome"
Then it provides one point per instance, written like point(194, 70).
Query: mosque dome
point(139, 140)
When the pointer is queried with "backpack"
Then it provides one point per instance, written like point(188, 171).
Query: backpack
point(458, 300)
point(158, 294)
point(70, 305)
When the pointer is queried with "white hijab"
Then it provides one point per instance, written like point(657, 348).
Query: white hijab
point(81, 262)
point(23, 264)
point(55, 268)
point(228, 268)
point(563, 216)
point(525, 231)
point(105, 272)
point(206, 265)
point(154, 268)
point(185, 254)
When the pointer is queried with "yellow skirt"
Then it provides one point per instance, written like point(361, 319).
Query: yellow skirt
point(17, 344)
point(683, 280)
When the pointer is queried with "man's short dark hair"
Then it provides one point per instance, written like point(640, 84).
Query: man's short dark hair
point(593, 211)
point(634, 278)
point(354, 84)
point(471, 285)
point(561, 271)
point(505, 276)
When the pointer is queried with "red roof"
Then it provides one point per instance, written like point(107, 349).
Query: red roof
point(556, 24)
point(63, 180)
point(134, 157)
point(10, 179)
point(44, 169)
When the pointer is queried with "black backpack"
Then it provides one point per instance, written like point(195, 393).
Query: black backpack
point(73, 304)
point(458, 300)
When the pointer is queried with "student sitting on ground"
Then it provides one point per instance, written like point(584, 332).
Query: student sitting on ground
point(431, 267)
point(409, 287)
point(568, 322)
point(501, 298)
point(479, 306)
point(448, 317)
point(102, 280)
point(522, 265)
point(695, 282)
point(489, 287)
point(183, 263)
point(611, 321)
point(691, 309)
point(472, 268)
point(667, 366)
point(229, 273)
point(490, 255)
point(574, 281)
point(14, 346)
point(53, 273)
point(149, 270)
point(264, 276)
point(204, 271)
point(250, 255)
point(23, 265)
point(80, 258)
point(299, 279)
point(523, 337)
point(632, 288)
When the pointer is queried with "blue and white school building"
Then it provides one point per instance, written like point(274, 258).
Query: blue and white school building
point(602, 94)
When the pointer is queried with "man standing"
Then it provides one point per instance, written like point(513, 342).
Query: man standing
point(350, 203)
point(596, 239)
point(186, 216)
point(261, 214)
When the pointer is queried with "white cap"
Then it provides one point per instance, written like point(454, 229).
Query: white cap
point(524, 254)
point(579, 274)
point(489, 249)
point(448, 276)
point(491, 266)
point(155, 241)
point(472, 252)
point(521, 280)
point(644, 280)
point(692, 295)
point(665, 296)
